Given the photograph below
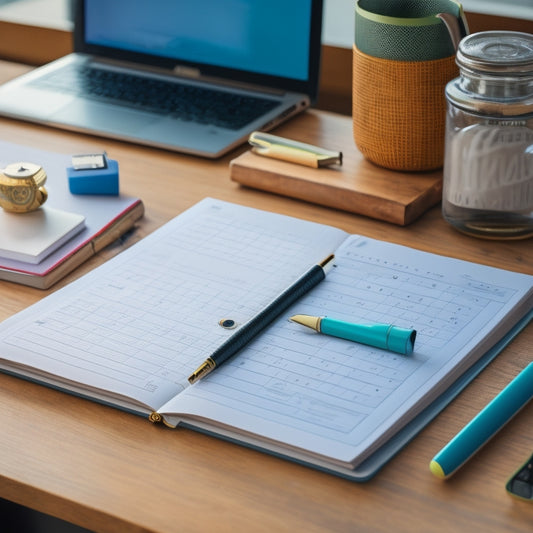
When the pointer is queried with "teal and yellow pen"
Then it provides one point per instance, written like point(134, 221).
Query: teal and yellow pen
point(385, 336)
point(484, 425)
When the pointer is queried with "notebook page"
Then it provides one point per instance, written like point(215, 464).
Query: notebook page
point(141, 323)
point(341, 399)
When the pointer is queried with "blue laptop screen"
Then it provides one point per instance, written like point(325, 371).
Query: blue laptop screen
point(270, 38)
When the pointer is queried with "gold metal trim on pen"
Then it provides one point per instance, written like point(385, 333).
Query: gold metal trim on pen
point(205, 368)
point(276, 147)
point(327, 263)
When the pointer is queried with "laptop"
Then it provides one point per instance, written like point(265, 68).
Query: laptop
point(191, 76)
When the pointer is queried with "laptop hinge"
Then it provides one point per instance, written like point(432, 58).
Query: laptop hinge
point(187, 72)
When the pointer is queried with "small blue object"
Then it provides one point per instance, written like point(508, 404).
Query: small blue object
point(93, 174)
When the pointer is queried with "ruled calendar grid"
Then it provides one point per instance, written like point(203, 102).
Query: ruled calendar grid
point(152, 319)
point(320, 383)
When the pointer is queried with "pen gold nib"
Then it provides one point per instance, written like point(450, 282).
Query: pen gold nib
point(205, 368)
point(312, 322)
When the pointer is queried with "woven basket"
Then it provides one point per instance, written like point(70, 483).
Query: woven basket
point(399, 110)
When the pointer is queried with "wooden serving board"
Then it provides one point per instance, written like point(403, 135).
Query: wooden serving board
point(358, 186)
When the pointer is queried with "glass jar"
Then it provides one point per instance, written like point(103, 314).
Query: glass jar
point(488, 162)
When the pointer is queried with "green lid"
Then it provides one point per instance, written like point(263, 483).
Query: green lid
point(406, 30)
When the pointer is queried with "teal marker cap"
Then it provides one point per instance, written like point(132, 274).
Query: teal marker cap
point(385, 336)
point(401, 340)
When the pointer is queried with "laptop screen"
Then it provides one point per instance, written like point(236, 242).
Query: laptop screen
point(260, 40)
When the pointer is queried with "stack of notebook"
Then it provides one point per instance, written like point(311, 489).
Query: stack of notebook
point(41, 247)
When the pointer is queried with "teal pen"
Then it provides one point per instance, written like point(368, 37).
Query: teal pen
point(484, 425)
point(385, 336)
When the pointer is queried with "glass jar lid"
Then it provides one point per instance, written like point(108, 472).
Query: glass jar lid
point(497, 52)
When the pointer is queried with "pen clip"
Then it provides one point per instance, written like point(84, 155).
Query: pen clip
point(276, 147)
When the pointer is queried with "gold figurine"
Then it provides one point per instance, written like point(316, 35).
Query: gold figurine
point(22, 187)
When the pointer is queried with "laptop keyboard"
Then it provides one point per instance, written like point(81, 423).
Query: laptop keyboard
point(183, 101)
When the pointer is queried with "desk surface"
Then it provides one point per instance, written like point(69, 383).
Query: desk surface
point(110, 471)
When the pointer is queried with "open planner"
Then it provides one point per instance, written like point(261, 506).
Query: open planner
point(129, 333)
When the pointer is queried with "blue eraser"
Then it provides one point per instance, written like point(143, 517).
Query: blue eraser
point(93, 174)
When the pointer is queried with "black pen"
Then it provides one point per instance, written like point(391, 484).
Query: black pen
point(243, 336)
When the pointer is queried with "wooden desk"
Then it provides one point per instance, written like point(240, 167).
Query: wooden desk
point(110, 471)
